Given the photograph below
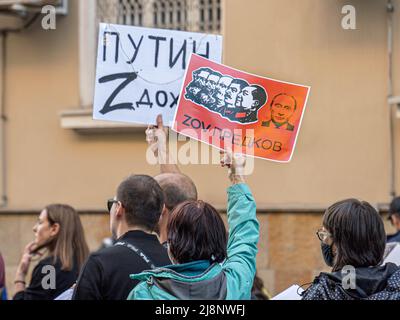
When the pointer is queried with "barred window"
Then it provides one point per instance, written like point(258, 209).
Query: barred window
point(170, 14)
point(210, 15)
point(187, 15)
point(131, 12)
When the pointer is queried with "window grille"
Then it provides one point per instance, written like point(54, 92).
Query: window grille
point(186, 15)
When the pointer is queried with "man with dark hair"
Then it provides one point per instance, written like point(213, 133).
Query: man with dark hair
point(134, 215)
point(394, 217)
point(248, 103)
point(283, 107)
point(176, 186)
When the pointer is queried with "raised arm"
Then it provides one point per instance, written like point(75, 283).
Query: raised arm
point(240, 266)
point(157, 138)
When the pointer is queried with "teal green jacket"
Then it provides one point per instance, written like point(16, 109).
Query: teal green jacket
point(230, 280)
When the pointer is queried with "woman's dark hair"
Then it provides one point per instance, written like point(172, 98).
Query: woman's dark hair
point(357, 232)
point(196, 232)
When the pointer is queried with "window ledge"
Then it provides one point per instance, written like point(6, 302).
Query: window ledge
point(81, 121)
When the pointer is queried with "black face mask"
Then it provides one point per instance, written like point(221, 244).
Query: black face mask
point(327, 254)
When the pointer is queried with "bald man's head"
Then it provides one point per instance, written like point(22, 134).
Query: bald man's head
point(177, 188)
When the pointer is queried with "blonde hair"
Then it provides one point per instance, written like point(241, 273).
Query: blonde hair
point(70, 244)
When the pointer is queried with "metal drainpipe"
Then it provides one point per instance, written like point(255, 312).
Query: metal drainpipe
point(392, 171)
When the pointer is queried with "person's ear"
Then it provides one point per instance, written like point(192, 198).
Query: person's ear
point(119, 210)
point(256, 103)
point(54, 229)
point(334, 249)
point(165, 210)
point(164, 213)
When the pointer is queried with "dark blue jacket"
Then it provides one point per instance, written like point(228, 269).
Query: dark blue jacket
point(373, 283)
point(394, 237)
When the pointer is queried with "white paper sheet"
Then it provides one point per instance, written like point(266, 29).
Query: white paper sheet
point(292, 293)
point(66, 295)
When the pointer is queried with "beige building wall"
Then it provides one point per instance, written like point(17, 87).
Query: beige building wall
point(342, 150)
point(343, 146)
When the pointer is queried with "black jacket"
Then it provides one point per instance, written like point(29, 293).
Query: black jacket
point(105, 275)
point(63, 281)
point(394, 237)
point(374, 283)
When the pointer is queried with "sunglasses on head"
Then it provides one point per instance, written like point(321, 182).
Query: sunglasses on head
point(110, 203)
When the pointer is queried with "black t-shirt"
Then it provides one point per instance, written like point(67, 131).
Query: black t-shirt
point(41, 273)
point(105, 275)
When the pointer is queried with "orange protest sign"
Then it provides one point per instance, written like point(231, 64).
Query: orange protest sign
point(254, 115)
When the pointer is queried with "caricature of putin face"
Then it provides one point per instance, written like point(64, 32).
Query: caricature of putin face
point(282, 108)
point(251, 98)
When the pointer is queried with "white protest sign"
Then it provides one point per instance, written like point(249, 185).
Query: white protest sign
point(140, 71)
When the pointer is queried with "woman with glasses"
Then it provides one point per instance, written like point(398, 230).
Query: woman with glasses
point(353, 243)
point(59, 233)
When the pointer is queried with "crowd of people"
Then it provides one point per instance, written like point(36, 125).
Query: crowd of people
point(168, 244)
